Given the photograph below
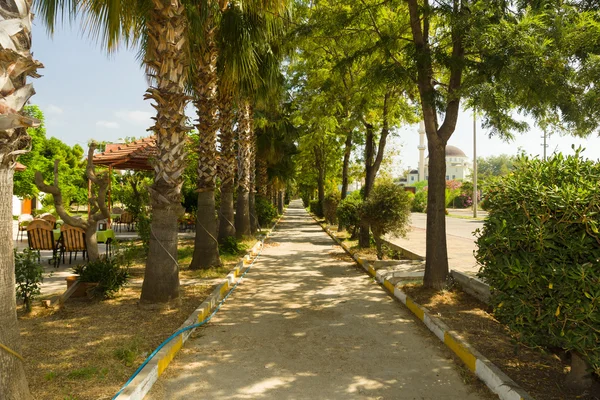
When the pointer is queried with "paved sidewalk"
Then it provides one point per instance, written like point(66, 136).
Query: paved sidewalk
point(459, 239)
point(305, 323)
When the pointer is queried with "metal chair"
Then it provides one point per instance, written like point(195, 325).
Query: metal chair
point(41, 237)
point(23, 221)
point(72, 239)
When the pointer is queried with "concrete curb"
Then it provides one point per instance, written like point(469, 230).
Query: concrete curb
point(139, 387)
point(496, 380)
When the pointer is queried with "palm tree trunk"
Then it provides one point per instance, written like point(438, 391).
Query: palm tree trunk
point(252, 194)
point(206, 246)
point(13, 382)
point(166, 60)
point(226, 166)
point(262, 178)
point(16, 64)
point(242, 215)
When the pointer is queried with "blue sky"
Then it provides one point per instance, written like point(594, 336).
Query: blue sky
point(86, 94)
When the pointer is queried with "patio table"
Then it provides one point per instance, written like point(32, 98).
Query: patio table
point(101, 236)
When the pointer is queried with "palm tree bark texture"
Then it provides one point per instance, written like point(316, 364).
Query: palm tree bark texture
point(16, 64)
point(373, 163)
point(166, 60)
point(226, 164)
point(206, 246)
point(252, 166)
point(242, 215)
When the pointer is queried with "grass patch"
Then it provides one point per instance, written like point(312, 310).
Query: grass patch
point(84, 373)
point(129, 352)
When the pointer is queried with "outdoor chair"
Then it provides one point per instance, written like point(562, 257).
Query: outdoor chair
point(50, 218)
point(126, 219)
point(40, 237)
point(72, 240)
point(24, 220)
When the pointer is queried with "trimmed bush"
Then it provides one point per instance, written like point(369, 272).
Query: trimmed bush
point(330, 205)
point(316, 208)
point(419, 203)
point(540, 253)
point(109, 275)
point(387, 210)
point(29, 276)
point(265, 211)
point(348, 212)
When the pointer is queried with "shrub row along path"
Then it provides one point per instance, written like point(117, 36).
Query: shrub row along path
point(460, 239)
point(306, 324)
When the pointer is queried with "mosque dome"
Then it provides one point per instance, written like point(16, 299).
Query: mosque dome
point(453, 151)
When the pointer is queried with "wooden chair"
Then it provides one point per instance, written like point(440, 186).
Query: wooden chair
point(126, 219)
point(72, 239)
point(24, 220)
point(41, 237)
point(50, 218)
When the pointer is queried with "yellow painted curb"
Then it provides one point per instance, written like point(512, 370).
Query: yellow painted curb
point(461, 351)
point(163, 363)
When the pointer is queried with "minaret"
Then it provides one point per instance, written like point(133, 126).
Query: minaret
point(421, 151)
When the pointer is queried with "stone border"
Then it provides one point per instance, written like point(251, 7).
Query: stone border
point(139, 387)
point(496, 380)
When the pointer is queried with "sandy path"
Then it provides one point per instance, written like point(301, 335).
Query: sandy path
point(306, 324)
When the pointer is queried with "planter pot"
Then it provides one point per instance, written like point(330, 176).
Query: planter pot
point(83, 290)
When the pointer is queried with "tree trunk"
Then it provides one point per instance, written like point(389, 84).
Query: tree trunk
point(262, 177)
point(226, 215)
point(166, 56)
point(364, 238)
point(13, 382)
point(206, 246)
point(242, 215)
point(252, 193)
point(345, 166)
point(280, 201)
point(226, 166)
point(91, 242)
point(436, 261)
point(252, 210)
point(161, 277)
point(16, 64)
point(206, 250)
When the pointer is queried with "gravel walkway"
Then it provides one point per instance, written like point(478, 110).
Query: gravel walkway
point(306, 324)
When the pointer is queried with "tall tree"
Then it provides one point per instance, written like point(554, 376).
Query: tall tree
point(16, 64)
point(204, 84)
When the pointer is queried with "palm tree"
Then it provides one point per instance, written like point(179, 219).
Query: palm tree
point(160, 29)
point(227, 168)
point(16, 64)
point(204, 84)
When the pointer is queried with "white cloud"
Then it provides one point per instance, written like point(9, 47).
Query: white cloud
point(52, 109)
point(107, 124)
point(135, 117)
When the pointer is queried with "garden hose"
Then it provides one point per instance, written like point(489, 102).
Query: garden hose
point(187, 328)
point(10, 351)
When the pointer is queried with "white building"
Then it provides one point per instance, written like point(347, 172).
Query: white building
point(458, 165)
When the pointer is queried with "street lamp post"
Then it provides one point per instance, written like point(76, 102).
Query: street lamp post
point(474, 164)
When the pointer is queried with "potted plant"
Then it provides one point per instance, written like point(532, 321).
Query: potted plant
point(101, 278)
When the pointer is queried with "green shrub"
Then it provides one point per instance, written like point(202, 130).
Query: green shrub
point(419, 203)
point(29, 276)
point(231, 246)
point(330, 205)
point(109, 275)
point(387, 210)
point(265, 211)
point(348, 212)
point(316, 208)
point(540, 253)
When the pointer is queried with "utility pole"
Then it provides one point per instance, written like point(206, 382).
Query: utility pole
point(544, 145)
point(474, 164)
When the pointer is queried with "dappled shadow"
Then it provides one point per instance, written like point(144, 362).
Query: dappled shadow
point(306, 324)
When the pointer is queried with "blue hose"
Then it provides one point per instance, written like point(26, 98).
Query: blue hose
point(187, 328)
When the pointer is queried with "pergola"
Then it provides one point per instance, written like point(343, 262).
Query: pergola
point(126, 156)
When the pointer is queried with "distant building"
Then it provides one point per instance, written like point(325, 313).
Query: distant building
point(458, 165)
